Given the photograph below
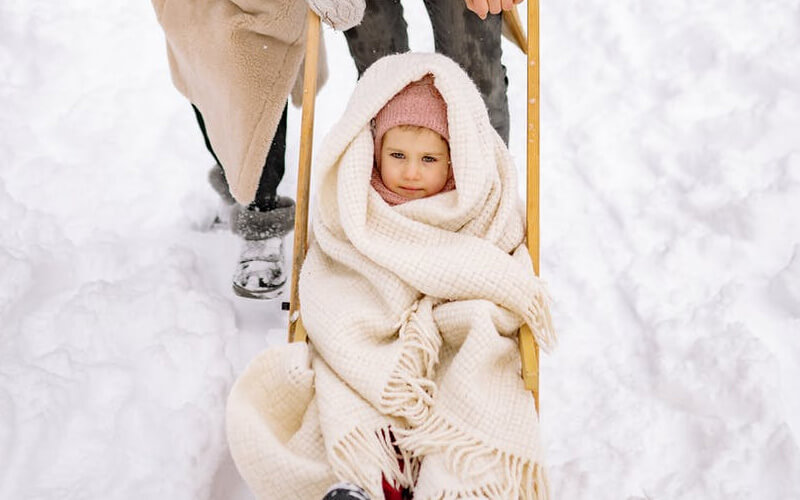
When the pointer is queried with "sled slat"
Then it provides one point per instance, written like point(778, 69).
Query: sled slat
point(530, 359)
point(529, 351)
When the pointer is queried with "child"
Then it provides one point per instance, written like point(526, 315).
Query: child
point(414, 286)
point(412, 156)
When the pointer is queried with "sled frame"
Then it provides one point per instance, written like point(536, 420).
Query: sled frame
point(529, 350)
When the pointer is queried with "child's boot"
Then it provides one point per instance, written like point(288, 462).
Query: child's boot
point(345, 491)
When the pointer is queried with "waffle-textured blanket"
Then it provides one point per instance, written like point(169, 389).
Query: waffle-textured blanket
point(413, 372)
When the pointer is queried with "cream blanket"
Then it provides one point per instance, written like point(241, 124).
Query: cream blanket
point(407, 337)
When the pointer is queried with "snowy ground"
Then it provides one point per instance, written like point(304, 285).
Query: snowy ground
point(671, 241)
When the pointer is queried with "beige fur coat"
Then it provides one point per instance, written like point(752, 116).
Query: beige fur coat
point(236, 60)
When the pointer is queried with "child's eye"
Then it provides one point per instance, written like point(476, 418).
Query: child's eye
point(429, 159)
point(397, 155)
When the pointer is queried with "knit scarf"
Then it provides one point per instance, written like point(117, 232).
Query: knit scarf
point(412, 313)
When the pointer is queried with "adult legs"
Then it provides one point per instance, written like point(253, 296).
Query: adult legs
point(274, 167)
point(475, 45)
point(262, 224)
point(383, 31)
point(458, 33)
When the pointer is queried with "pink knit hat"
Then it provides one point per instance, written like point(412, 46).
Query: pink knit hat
point(420, 104)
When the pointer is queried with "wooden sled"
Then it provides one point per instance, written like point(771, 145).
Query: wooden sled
point(528, 349)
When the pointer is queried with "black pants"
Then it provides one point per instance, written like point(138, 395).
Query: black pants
point(458, 33)
point(274, 165)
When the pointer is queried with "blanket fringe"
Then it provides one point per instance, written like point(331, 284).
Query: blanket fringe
point(540, 320)
point(360, 447)
point(541, 487)
point(410, 390)
point(466, 456)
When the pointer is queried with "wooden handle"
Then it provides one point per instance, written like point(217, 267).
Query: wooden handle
point(304, 171)
point(512, 20)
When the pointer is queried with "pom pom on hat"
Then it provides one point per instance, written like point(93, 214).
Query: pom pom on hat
point(419, 104)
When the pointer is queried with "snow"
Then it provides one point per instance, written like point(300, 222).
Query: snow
point(670, 240)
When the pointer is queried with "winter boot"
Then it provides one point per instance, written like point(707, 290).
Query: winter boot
point(345, 491)
point(260, 272)
point(216, 177)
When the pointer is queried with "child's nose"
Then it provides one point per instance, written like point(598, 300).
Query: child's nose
point(412, 170)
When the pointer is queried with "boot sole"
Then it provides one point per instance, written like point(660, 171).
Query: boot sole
point(265, 294)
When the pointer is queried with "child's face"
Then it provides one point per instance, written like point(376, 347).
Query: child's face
point(415, 161)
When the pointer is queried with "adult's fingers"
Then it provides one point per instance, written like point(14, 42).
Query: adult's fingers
point(483, 7)
point(479, 7)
